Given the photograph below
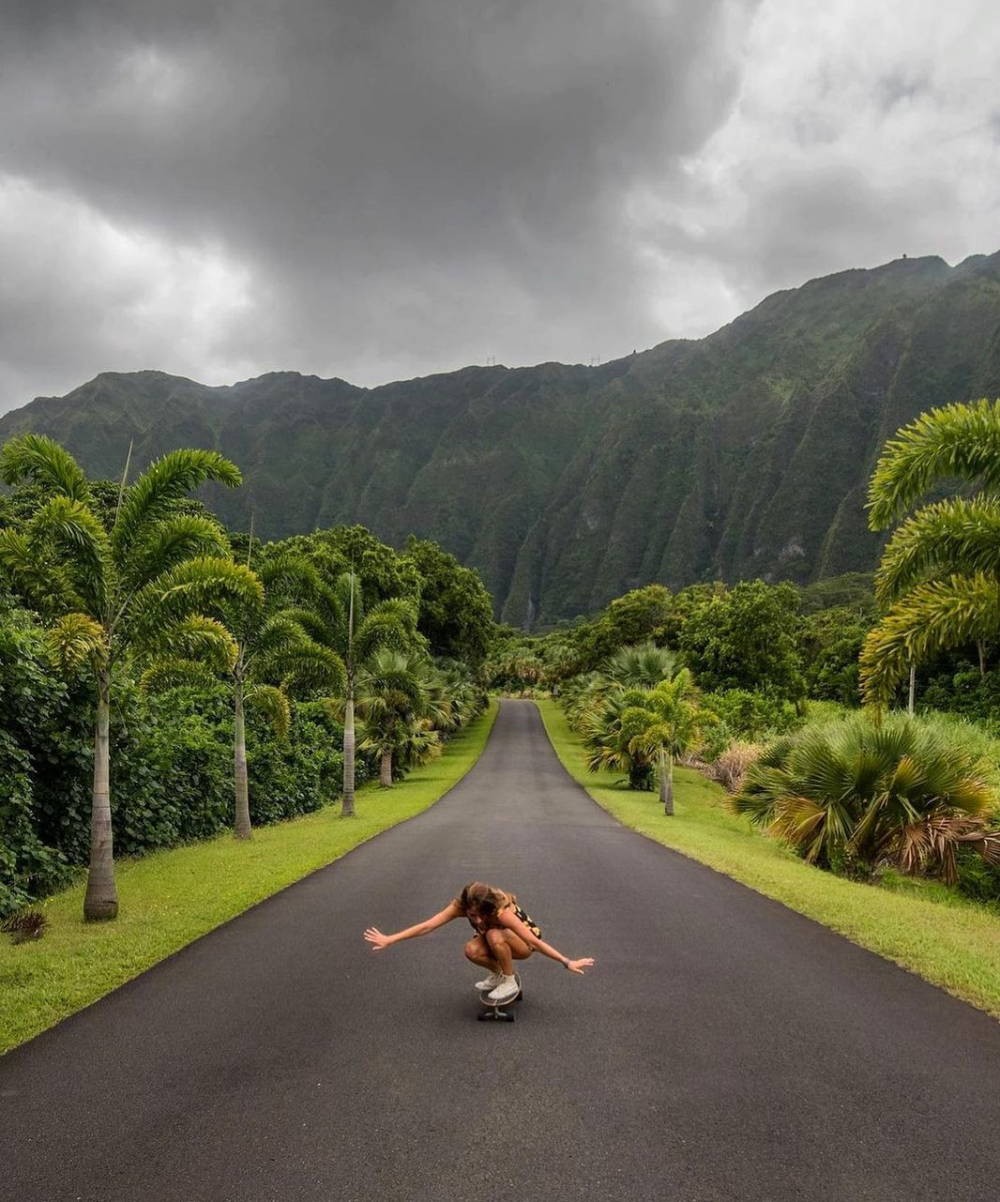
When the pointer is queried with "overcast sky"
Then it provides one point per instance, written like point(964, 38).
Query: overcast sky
point(377, 189)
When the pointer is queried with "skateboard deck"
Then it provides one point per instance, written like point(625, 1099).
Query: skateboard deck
point(498, 1010)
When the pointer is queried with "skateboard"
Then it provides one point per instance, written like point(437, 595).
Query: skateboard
point(498, 1010)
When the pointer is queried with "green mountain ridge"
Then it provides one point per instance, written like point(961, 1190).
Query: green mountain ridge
point(742, 454)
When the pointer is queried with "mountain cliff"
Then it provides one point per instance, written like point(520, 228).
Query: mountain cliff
point(746, 453)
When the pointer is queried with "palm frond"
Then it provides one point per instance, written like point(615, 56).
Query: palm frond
point(194, 637)
point(954, 537)
point(75, 639)
point(390, 624)
point(274, 705)
point(171, 673)
point(957, 441)
point(288, 573)
point(192, 587)
point(310, 624)
point(935, 616)
point(165, 482)
point(310, 666)
point(170, 542)
point(43, 582)
point(41, 459)
point(79, 543)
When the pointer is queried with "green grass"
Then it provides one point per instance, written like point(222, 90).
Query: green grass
point(948, 940)
point(170, 898)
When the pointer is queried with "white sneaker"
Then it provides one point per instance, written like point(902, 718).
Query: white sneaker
point(507, 989)
point(490, 982)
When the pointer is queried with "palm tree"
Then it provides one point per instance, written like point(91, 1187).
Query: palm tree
point(641, 666)
point(897, 793)
point(608, 744)
point(146, 585)
point(393, 699)
point(666, 722)
point(269, 645)
point(940, 573)
point(343, 637)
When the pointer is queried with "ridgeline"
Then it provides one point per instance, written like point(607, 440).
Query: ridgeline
point(743, 454)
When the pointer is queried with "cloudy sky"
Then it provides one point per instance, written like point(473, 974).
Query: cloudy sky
point(378, 189)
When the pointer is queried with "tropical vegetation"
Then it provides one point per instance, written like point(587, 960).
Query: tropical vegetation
point(193, 674)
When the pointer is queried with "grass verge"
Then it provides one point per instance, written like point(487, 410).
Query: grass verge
point(946, 939)
point(170, 898)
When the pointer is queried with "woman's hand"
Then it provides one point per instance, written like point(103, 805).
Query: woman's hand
point(375, 937)
point(579, 965)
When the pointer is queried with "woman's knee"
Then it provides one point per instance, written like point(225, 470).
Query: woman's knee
point(474, 949)
point(495, 938)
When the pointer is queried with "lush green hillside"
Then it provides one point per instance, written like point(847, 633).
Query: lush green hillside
point(743, 454)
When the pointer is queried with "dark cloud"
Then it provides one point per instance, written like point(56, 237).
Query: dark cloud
point(378, 189)
point(406, 186)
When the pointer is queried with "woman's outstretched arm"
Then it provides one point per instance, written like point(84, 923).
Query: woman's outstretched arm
point(510, 920)
point(380, 941)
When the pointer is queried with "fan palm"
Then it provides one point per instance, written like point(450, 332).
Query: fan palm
point(607, 744)
point(897, 793)
point(343, 636)
point(641, 666)
point(146, 584)
point(940, 572)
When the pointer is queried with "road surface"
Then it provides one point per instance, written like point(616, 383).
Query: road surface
point(722, 1048)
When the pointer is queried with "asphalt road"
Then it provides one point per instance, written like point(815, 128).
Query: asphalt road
point(722, 1048)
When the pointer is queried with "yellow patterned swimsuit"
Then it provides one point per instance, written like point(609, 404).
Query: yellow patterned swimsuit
point(532, 926)
point(523, 915)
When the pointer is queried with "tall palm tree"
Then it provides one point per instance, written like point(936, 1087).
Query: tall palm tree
point(269, 646)
point(897, 793)
point(145, 585)
point(940, 572)
point(666, 722)
point(347, 635)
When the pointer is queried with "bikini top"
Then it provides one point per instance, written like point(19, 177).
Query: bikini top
point(523, 916)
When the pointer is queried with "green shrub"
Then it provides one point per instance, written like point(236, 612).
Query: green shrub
point(853, 797)
point(751, 715)
point(27, 867)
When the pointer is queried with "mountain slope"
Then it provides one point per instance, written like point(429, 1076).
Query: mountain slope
point(741, 454)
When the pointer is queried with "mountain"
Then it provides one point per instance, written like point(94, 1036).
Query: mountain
point(743, 454)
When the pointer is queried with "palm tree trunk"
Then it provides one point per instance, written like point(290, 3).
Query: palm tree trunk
point(668, 801)
point(385, 776)
point(241, 826)
point(981, 648)
point(101, 900)
point(347, 808)
point(913, 689)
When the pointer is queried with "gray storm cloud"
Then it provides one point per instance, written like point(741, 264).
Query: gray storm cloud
point(403, 186)
point(376, 189)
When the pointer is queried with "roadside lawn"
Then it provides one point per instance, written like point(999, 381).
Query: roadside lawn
point(945, 938)
point(170, 898)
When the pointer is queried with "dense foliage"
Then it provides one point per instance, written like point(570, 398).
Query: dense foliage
point(854, 796)
point(172, 719)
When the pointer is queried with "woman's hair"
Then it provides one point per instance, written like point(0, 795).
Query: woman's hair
point(488, 900)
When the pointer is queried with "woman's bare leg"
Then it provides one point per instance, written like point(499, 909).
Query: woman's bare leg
point(506, 947)
point(478, 952)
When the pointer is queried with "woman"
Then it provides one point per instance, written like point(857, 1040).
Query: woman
point(504, 933)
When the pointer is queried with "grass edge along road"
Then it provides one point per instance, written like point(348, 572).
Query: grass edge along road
point(951, 942)
point(170, 898)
